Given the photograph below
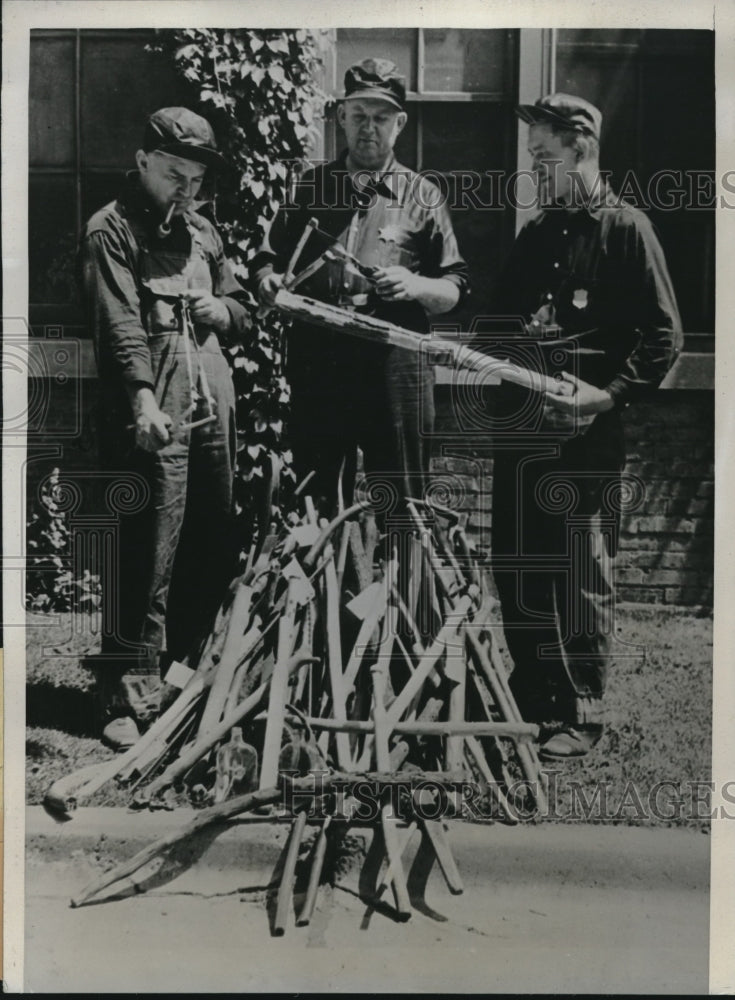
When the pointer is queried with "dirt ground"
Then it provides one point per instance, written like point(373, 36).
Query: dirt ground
point(648, 769)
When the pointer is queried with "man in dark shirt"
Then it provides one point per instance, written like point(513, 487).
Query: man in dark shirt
point(346, 393)
point(588, 279)
point(161, 298)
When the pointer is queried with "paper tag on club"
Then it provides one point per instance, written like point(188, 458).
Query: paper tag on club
point(305, 534)
point(363, 604)
point(178, 675)
point(294, 571)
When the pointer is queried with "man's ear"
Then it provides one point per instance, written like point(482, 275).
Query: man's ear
point(401, 119)
point(141, 160)
point(341, 115)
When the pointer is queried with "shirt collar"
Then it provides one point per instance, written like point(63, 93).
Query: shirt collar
point(384, 182)
point(601, 197)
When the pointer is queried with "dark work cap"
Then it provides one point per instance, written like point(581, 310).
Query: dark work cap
point(376, 78)
point(183, 133)
point(563, 110)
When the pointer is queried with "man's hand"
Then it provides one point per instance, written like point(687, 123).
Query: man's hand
point(268, 288)
point(397, 284)
point(208, 310)
point(578, 410)
point(152, 425)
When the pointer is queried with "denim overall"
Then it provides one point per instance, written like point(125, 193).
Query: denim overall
point(176, 554)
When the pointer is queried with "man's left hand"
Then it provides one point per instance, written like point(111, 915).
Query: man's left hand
point(208, 310)
point(398, 284)
point(586, 400)
point(576, 411)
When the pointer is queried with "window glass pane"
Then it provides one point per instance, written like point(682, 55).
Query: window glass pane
point(51, 238)
point(599, 36)
point(98, 190)
point(121, 85)
point(467, 60)
point(51, 102)
point(639, 141)
point(610, 81)
point(464, 141)
point(397, 44)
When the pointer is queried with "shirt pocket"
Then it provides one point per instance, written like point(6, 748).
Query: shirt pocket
point(162, 301)
point(399, 244)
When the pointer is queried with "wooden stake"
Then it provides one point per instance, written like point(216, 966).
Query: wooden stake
point(285, 889)
point(317, 866)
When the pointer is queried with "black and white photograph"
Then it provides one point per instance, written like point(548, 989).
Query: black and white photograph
point(360, 422)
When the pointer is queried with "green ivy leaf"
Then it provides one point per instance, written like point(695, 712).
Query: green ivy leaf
point(277, 45)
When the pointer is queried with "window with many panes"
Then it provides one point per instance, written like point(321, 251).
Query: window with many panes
point(90, 94)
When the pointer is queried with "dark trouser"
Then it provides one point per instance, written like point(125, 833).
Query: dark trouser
point(175, 555)
point(350, 395)
point(554, 532)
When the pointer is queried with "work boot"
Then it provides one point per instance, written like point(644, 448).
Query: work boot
point(121, 733)
point(570, 742)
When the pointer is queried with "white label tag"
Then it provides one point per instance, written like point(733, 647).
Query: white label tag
point(362, 605)
point(305, 534)
point(178, 675)
point(294, 571)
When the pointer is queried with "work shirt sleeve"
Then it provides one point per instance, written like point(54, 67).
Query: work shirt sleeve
point(113, 303)
point(653, 311)
point(444, 259)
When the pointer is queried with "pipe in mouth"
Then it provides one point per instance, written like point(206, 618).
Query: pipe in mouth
point(165, 228)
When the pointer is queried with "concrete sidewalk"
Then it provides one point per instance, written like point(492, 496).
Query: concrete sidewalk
point(546, 908)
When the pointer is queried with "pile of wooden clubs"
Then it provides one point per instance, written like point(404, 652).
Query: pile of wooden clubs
point(343, 654)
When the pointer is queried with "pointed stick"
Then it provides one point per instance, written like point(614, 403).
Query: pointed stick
point(285, 889)
point(215, 814)
point(317, 865)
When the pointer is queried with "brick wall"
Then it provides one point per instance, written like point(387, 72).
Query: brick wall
point(666, 544)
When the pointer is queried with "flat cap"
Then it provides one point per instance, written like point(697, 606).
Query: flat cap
point(565, 111)
point(181, 132)
point(376, 78)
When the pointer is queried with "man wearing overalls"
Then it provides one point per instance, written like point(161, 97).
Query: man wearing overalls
point(161, 301)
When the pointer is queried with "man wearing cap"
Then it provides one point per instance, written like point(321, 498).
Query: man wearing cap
point(405, 268)
point(588, 279)
point(161, 300)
